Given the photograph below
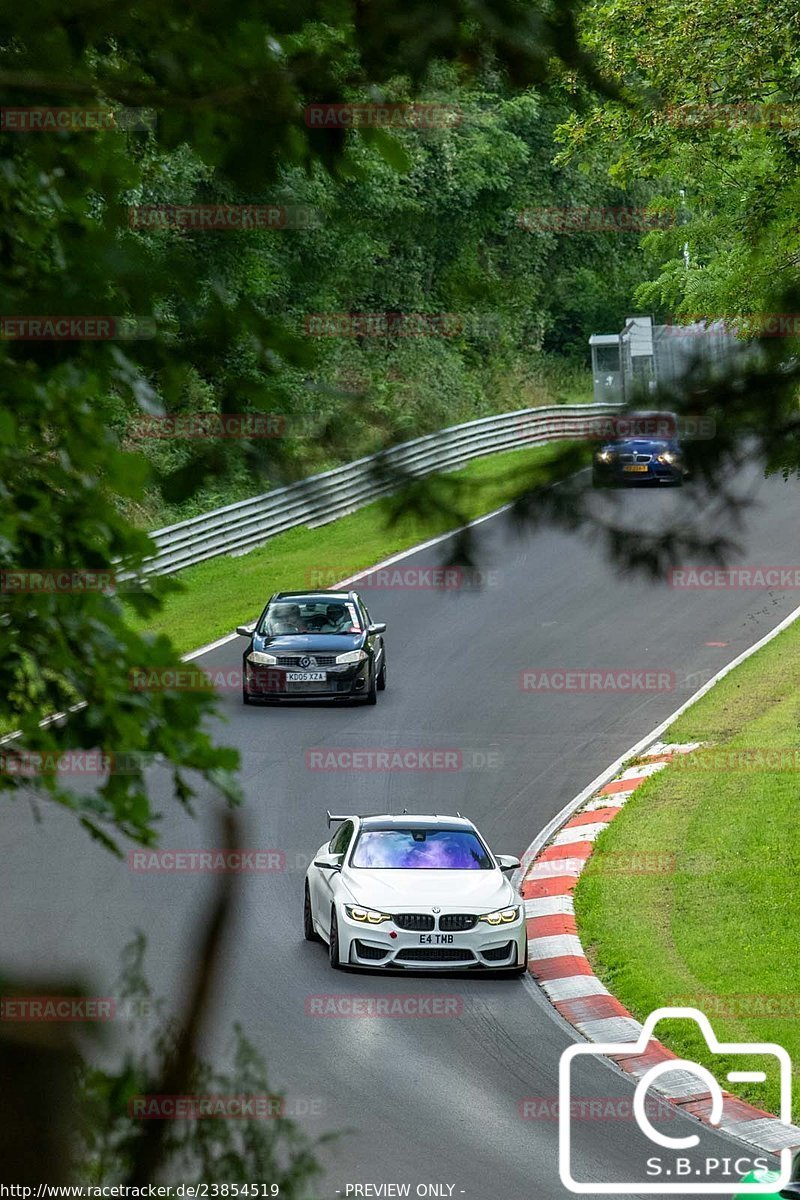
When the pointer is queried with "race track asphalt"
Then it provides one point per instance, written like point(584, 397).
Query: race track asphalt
point(426, 1100)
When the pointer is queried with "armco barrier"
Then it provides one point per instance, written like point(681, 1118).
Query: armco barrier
point(321, 498)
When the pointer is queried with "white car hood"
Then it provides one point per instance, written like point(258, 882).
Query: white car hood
point(408, 890)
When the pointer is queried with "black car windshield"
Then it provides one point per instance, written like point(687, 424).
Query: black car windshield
point(311, 614)
point(421, 849)
point(653, 445)
point(644, 425)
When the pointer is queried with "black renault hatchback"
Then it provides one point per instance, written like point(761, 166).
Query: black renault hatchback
point(308, 645)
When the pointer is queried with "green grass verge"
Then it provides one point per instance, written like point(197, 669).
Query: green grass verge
point(224, 592)
point(716, 922)
point(532, 381)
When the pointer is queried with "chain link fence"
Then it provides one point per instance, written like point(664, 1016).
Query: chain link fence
point(643, 357)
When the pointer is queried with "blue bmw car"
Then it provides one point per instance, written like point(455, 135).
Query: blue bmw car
point(639, 460)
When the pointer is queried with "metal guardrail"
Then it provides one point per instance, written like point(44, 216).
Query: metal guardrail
point(319, 499)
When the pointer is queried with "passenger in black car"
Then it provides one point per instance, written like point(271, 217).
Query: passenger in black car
point(287, 620)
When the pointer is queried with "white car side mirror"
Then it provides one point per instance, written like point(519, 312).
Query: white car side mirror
point(508, 862)
point(329, 862)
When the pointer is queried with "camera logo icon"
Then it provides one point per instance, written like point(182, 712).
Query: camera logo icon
point(772, 1054)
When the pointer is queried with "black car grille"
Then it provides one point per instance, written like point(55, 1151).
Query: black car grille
point(635, 458)
point(458, 922)
point(413, 921)
point(374, 952)
point(315, 685)
point(499, 953)
point(435, 954)
point(291, 660)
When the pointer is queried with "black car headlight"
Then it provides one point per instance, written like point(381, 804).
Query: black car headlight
point(262, 658)
point(352, 656)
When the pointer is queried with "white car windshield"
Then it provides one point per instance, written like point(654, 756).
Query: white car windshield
point(421, 849)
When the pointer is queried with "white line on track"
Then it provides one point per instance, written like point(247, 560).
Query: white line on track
point(229, 637)
point(386, 562)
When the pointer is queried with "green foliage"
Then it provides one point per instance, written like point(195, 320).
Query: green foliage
point(415, 220)
point(712, 112)
point(438, 236)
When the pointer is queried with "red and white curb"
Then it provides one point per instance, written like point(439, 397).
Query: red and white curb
point(559, 965)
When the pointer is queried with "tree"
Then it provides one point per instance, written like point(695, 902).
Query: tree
point(228, 98)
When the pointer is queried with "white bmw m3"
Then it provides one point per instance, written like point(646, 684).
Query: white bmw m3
point(414, 892)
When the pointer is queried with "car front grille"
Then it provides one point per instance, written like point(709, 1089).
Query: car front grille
point(413, 921)
point(635, 458)
point(373, 952)
point(458, 922)
point(315, 685)
point(435, 954)
point(498, 953)
point(291, 660)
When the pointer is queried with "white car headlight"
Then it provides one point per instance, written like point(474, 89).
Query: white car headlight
point(605, 456)
point(503, 916)
point(260, 656)
point(352, 656)
point(368, 916)
point(670, 457)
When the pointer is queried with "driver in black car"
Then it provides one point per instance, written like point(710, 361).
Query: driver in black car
point(336, 617)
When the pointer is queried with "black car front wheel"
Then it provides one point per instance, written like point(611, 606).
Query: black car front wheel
point(382, 675)
point(372, 691)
